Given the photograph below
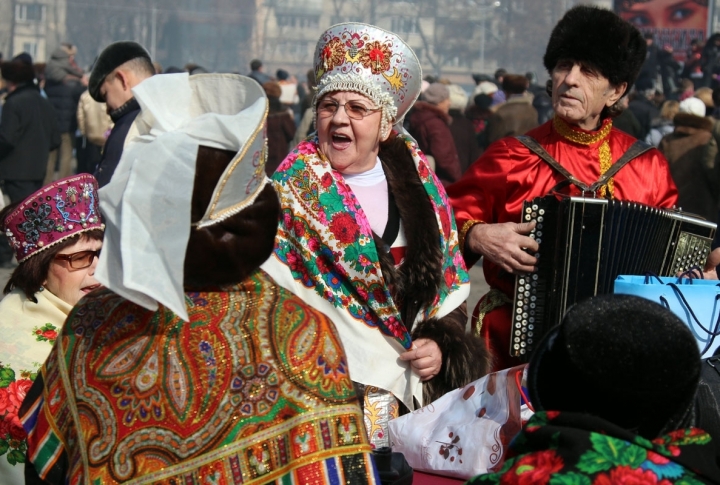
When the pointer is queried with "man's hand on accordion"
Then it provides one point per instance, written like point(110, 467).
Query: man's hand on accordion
point(506, 244)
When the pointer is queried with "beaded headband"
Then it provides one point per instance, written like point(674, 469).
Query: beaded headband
point(52, 214)
point(371, 61)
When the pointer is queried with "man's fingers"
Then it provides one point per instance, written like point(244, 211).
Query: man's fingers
point(524, 227)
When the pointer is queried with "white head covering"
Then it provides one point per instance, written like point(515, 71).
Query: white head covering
point(693, 105)
point(148, 201)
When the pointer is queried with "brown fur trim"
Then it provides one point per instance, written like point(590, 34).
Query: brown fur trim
point(424, 105)
point(417, 281)
point(231, 250)
point(693, 121)
point(465, 357)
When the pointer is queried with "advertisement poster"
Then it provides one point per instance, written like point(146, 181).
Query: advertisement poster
point(673, 23)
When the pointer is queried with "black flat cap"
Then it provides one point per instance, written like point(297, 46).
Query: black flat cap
point(114, 56)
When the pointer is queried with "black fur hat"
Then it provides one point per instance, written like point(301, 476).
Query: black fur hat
point(621, 358)
point(601, 38)
point(114, 56)
point(19, 70)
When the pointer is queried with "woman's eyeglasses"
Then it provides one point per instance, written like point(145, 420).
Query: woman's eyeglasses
point(79, 260)
point(354, 109)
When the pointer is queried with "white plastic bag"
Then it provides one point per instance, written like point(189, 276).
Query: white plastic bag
point(466, 432)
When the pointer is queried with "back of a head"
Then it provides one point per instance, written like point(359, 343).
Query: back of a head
point(669, 109)
point(514, 84)
point(255, 64)
point(693, 106)
point(436, 93)
point(458, 97)
point(622, 358)
point(282, 75)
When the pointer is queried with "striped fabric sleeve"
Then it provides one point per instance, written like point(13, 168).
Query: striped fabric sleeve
point(46, 451)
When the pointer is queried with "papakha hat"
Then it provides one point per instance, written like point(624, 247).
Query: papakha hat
point(19, 70)
point(600, 38)
point(622, 358)
point(114, 56)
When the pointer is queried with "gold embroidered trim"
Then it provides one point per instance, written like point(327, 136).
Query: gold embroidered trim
point(567, 131)
point(605, 164)
point(492, 300)
point(464, 230)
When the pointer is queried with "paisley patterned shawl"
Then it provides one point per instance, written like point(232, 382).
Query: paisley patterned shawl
point(253, 390)
point(325, 240)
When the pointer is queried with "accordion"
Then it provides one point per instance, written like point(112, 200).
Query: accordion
point(585, 243)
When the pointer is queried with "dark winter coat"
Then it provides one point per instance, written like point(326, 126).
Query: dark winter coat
point(516, 117)
point(646, 112)
point(429, 125)
point(463, 133)
point(123, 118)
point(280, 131)
point(691, 152)
point(28, 132)
point(64, 97)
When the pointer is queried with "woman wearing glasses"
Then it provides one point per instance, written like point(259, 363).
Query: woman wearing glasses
point(56, 234)
point(366, 233)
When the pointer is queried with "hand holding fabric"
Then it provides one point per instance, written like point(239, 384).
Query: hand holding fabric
point(425, 358)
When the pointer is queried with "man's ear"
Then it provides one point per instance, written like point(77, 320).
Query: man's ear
point(616, 92)
point(124, 80)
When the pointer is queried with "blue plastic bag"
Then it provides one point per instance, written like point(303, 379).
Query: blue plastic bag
point(695, 301)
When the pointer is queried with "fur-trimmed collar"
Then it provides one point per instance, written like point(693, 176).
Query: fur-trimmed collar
point(425, 106)
point(687, 120)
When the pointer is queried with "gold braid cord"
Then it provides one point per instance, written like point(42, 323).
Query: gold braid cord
point(604, 155)
point(492, 299)
point(464, 230)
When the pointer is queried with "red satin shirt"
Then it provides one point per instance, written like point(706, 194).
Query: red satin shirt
point(508, 173)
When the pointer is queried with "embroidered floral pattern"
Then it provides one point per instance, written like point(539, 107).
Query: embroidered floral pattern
point(46, 333)
point(326, 241)
point(36, 222)
point(376, 57)
point(557, 449)
point(13, 438)
point(333, 54)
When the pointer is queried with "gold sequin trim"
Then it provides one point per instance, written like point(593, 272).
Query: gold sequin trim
point(604, 154)
point(492, 300)
point(605, 164)
point(464, 230)
point(567, 131)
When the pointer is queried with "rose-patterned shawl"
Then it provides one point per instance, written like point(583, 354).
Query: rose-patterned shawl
point(28, 331)
point(580, 449)
point(325, 253)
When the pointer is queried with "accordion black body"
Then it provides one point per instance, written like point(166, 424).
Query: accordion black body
point(585, 243)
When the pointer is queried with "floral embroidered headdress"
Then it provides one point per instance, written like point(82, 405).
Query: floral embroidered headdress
point(370, 61)
point(54, 213)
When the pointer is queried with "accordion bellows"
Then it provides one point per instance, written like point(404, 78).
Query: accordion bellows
point(585, 244)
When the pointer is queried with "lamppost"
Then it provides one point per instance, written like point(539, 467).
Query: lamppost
point(482, 10)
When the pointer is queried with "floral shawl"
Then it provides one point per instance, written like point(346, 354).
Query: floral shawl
point(577, 449)
point(28, 333)
point(325, 252)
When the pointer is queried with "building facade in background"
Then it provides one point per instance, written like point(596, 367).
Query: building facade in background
point(33, 26)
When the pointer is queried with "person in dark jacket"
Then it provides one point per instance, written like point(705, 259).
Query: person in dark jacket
point(28, 131)
point(118, 69)
point(517, 115)
point(642, 106)
point(429, 125)
point(691, 151)
point(462, 128)
point(280, 127)
point(64, 84)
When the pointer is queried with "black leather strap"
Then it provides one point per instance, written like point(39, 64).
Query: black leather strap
point(637, 149)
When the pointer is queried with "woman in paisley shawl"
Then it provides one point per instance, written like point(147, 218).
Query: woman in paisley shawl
point(613, 388)
point(56, 234)
point(366, 234)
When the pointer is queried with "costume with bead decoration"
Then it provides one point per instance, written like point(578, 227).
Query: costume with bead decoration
point(508, 173)
point(253, 389)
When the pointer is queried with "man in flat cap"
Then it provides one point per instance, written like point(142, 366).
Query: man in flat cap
point(118, 69)
point(593, 57)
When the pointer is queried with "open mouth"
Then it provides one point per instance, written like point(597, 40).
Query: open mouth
point(88, 289)
point(340, 141)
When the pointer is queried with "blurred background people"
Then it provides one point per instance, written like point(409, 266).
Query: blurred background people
point(280, 127)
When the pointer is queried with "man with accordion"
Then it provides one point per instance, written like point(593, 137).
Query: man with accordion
point(593, 58)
